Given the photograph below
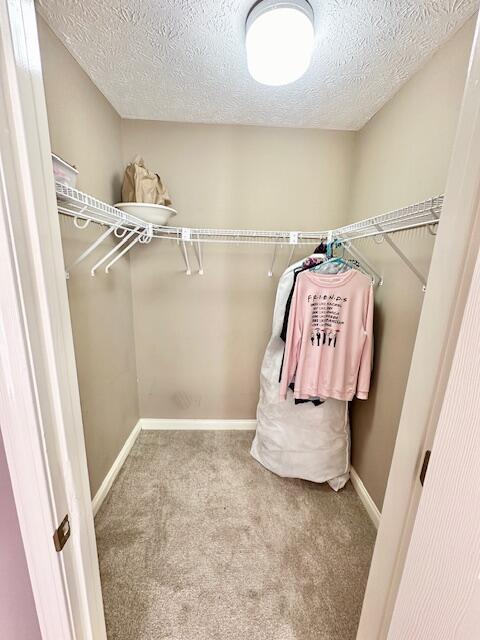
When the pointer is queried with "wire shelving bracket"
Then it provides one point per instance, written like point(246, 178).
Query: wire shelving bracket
point(403, 256)
point(89, 249)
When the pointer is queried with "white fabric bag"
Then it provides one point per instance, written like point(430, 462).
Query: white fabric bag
point(298, 441)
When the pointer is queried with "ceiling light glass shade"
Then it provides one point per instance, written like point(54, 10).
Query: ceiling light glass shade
point(279, 41)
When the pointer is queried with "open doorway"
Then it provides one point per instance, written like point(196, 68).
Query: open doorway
point(156, 349)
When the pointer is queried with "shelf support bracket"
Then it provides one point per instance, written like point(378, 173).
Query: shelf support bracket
point(290, 256)
point(143, 238)
point(122, 253)
point(198, 254)
point(353, 251)
point(123, 241)
point(89, 249)
point(404, 258)
point(274, 257)
point(184, 251)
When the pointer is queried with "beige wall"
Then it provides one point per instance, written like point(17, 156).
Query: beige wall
point(402, 156)
point(85, 130)
point(200, 339)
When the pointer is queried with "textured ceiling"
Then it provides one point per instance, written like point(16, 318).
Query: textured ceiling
point(184, 60)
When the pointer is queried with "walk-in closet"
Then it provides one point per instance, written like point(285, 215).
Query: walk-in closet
point(248, 196)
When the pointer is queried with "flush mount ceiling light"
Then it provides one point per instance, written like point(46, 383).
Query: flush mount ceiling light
point(279, 40)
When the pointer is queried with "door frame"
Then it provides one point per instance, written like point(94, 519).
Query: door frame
point(40, 413)
point(451, 270)
point(439, 594)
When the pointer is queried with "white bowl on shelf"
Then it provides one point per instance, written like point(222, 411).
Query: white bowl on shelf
point(156, 214)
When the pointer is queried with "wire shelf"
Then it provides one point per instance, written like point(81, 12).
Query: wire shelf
point(77, 204)
point(130, 230)
point(416, 215)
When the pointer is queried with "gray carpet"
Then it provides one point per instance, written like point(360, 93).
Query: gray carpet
point(197, 541)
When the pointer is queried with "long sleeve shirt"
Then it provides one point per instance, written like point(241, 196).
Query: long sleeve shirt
point(328, 352)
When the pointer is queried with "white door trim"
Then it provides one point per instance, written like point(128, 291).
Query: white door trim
point(20, 415)
point(439, 594)
point(451, 270)
point(37, 339)
point(39, 400)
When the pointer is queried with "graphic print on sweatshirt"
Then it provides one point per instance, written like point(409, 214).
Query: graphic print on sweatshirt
point(328, 351)
point(326, 318)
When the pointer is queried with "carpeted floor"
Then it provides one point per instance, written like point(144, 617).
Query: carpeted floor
point(197, 541)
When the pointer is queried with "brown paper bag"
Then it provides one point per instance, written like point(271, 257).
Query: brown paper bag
point(142, 185)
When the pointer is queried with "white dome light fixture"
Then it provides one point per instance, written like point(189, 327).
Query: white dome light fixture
point(279, 40)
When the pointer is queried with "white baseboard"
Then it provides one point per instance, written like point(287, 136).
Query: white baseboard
point(365, 497)
point(115, 468)
point(160, 424)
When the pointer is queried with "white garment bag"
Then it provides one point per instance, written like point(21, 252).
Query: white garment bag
point(298, 441)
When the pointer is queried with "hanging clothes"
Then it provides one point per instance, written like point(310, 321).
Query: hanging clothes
point(298, 441)
point(328, 351)
point(308, 263)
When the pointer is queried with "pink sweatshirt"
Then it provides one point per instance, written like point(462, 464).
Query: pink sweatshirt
point(330, 336)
